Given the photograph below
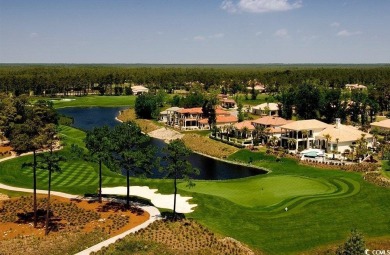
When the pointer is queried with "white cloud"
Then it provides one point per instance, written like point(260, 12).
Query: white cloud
point(258, 33)
point(34, 35)
point(346, 33)
point(282, 33)
point(260, 6)
point(335, 24)
point(219, 35)
point(199, 38)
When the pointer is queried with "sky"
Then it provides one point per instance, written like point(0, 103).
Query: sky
point(194, 31)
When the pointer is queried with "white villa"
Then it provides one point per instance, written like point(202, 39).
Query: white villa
point(139, 90)
point(341, 137)
point(355, 86)
point(316, 134)
point(303, 133)
point(265, 109)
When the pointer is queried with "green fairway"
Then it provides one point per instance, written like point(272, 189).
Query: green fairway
point(273, 192)
point(102, 101)
point(77, 176)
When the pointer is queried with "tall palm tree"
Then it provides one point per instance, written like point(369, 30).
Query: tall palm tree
point(244, 132)
point(291, 142)
point(327, 137)
point(259, 132)
point(273, 141)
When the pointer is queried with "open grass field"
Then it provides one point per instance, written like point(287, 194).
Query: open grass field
point(102, 101)
point(323, 205)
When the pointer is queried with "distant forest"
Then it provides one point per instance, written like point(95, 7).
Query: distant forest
point(52, 79)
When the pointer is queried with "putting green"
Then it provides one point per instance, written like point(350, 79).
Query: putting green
point(275, 192)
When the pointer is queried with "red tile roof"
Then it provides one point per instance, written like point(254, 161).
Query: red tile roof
point(271, 121)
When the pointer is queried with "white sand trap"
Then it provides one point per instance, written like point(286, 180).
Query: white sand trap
point(166, 134)
point(158, 200)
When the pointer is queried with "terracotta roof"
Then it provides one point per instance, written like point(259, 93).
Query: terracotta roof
point(271, 121)
point(343, 133)
point(221, 119)
point(382, 124)
point(273, 130)
point(197, 110)
point(219, 111)
point(271, 106)
point(245, 123)
point(305, 125)
point(226, 119)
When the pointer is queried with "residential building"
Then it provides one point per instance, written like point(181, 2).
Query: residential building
point(139, 90)
point(265, 109)
point(271, 124)
point(382, 126)
point(169, 116)
point(302, 133)
point(339, 138)
point(355, 87)
point(193, 118)
point(228, 103)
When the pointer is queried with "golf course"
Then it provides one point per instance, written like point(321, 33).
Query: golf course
point(291, 210)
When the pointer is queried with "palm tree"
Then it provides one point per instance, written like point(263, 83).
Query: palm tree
point(259, 132)
point(291, 142)
point(273, 141)
point(327, 137)
point(244, 132)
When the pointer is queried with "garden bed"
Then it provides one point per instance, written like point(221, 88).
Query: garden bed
point(67, 216)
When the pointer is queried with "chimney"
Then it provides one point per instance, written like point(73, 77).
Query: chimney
point(338, 122)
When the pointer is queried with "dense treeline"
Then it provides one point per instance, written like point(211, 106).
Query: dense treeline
point(82, 79)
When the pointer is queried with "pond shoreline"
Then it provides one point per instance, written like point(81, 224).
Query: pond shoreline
point(165, 138)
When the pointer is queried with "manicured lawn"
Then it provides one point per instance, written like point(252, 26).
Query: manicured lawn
point(323, 205)
point(77, 176)
point(311, 220)
point(273, 192)
point(102, 101)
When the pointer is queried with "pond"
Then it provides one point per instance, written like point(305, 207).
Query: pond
point(210, 169)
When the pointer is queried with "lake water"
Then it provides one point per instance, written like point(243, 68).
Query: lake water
point(210, 169)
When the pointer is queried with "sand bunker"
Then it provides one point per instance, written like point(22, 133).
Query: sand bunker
point(165, 134)
point(158, 200)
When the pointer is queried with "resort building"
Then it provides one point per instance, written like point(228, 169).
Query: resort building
point(271, 124)
point(169, 115)
point(382, 126)
point(193, 118)
point(340, 138)
point(228, 103)
point(301, 134)
point(139, 90)
point(265, 109)
point(221, 121)
point(355, 87)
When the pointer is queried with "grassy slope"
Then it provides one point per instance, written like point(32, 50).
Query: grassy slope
point(102, 101)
